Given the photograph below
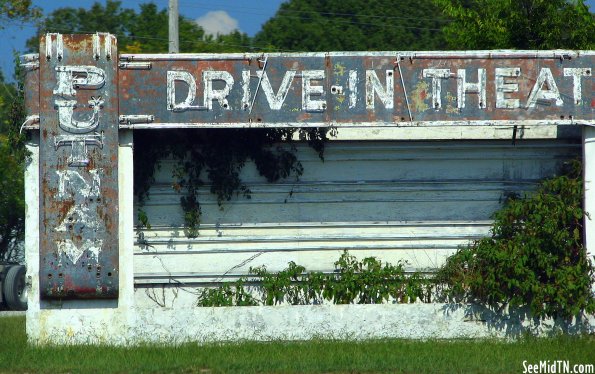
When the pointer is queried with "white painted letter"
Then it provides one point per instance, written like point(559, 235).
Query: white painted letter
point(373, 85)
point(208, 77)
point(276, 99)
point(308, 90)
point(72, 184)
point(537, 93)
point(503, 87)
point(436, 75)
point(463, 87)
point(186, 77)
point(79, 77)
point(352, 88)
point(576, 74)
point(246, 89)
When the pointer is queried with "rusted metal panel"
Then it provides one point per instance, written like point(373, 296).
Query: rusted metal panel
point(78, 166)
point(357, 89)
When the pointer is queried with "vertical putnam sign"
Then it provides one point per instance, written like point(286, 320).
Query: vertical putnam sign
point(78, 167)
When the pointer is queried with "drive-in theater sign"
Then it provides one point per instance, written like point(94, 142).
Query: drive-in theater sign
point(81, 93)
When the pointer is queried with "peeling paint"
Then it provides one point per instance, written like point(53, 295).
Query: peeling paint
point(451, 104)
point(505, 86)
point(309, 89)
point(419, 96)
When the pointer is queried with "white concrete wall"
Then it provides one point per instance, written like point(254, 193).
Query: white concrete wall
point(267, 323)
point(589, 203)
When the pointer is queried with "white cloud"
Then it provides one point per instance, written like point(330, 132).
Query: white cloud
point(218, 22)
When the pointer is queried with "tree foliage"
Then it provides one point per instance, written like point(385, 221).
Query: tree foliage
point(518, 24)
point(142, 32)
point(12, 160)
point(354, 25)
point(12, 154)
point(22, 10)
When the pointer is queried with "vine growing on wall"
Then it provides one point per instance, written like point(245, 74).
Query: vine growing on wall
point(215, 157)
point(534, 258)
point(366, 281)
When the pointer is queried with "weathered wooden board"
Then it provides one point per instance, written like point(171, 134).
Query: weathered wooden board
point(410, 201)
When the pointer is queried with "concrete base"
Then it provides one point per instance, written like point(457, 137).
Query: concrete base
point(352, 322)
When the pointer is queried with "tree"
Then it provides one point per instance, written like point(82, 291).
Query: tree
point(143, 32)
point(12, 159)
point(12, 202)
point(12, 205)
point(344, 25)
point(18, 10)
point(518, 24)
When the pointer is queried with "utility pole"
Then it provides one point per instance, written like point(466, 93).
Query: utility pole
point(174, 39)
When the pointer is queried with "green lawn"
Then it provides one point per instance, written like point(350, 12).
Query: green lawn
point(387, 356)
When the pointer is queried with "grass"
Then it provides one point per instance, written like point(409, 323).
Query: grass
point(319, 356)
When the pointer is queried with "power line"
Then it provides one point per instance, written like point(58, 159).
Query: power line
point(349, 22)
point(204, 41)
point(210, 7)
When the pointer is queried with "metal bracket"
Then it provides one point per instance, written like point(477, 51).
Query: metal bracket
point(398, 63)
point(137, 118)
point(31, 123)
point(135, 65)
point(49, 46)
point(264, 66)
point(30, 61)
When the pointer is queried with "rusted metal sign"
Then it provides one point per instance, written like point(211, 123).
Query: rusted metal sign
point(78, 106)
point(356, 89)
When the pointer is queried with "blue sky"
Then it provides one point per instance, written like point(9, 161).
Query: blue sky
point(248, 16)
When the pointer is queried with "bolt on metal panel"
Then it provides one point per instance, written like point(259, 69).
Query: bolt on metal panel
point(78, 166)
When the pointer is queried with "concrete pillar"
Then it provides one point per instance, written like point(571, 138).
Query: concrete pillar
point(81, 321)
point(589, 174)
point(32, 235)
point(126, 205)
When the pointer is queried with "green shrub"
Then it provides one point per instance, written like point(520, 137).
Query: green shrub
point(535, 256)
point(368, 281)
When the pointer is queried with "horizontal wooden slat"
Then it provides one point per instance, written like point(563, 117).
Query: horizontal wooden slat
point(398, 201)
